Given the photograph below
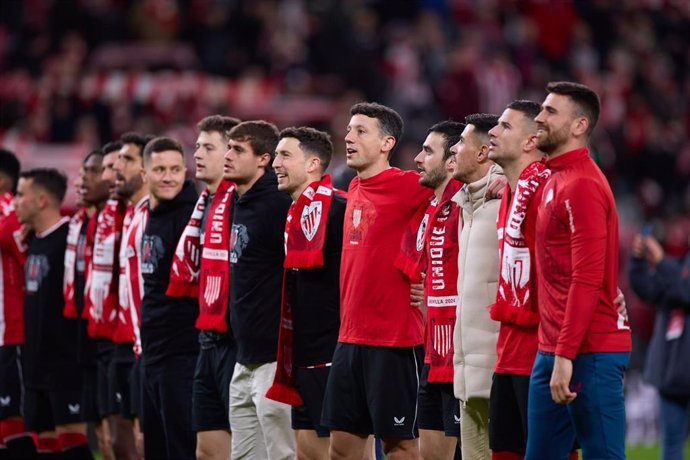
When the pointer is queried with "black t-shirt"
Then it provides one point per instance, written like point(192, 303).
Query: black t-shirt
point(316, 310)
point(256, 269)
point(167, 323)
point(51, 340)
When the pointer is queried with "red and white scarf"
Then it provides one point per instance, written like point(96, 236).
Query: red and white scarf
point(131, 281)
point(102, 282)
point(411, 258)
point(206, 277)
point(440, 284)
point(12, 259)
point(6, 204)
point(513, 302)
point(305, 234)
point(75, 223)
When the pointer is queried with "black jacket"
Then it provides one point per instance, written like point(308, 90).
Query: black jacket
point(667, 287)
point(167, 323)
point(256, 269)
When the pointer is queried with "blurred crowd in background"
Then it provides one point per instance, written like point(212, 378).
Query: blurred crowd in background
point(75, 74)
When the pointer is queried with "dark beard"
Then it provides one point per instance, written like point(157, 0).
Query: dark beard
point(433, 178)
point(553, 140)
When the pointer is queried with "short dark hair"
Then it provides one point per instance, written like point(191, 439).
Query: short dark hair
point(482, 122)
point(161, 144)
point(49, 179)
point(261, 135)
point(218, 123)
point(390, 122)
point(110, 147)
point(451, 131)
point(94, 152)
point(9, 164)
point(138, 139)
point(312, 141)
point(529, 108)
point(586, 100)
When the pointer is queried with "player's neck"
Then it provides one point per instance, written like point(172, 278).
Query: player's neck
point(438, 191)
point(372, 170)
point(46, 219)
point(138, 195)
point(481, 172)
point(569, 146)
point(244, 188)
point(213, 186)
point(295, 194)
point(513, 169)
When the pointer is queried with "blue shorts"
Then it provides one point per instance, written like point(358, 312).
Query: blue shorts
point(596, 416)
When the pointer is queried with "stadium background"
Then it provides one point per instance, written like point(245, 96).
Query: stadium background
point(75, 74)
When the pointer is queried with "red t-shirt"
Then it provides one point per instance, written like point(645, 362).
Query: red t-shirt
point(375, 296)
point(577, 261)
point(517, 345)
point(12, 258)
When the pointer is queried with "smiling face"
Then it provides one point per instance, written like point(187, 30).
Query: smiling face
point(365, 143)
point(292, 166)
point(554, 123)
point(209, 157)
point(166, 174)
point(430, 163)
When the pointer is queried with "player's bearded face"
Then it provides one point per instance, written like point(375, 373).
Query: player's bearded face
point(551, 137)
point(554, 123)
point(434, 177)
point(432, 167)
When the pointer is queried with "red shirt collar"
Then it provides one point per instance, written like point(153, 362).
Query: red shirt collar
point(568, 158)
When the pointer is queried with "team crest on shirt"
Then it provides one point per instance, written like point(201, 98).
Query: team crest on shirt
point(421, 231)
point(310, 219)
point(152, 251)
point(36, 268)
point(239, 239)
point(358, 219)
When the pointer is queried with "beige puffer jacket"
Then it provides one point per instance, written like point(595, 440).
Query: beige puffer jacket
point(475, 333)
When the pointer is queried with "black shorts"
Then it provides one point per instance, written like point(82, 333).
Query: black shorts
point(10, 381)
point(439, 410)
point(373, 390)
point(311, 386)
point(119, 389)
point(211, 387)
point(91, 410)
point(508, 412)
point(44, 409)
point(135, 390)
point(104, 396)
